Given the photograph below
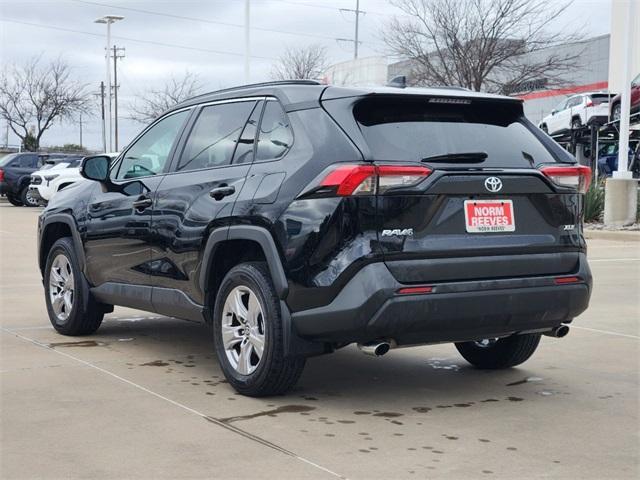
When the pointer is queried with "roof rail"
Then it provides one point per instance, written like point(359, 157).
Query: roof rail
point(273, 83)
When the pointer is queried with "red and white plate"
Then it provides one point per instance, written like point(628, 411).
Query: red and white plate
point(487, 216)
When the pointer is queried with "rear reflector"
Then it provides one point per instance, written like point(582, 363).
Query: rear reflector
point(414, 290)
point(369, 179)
point(565, 280)
point(578, 177)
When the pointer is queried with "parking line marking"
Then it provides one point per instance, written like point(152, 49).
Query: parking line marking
point(208, 418)
point(606, 332)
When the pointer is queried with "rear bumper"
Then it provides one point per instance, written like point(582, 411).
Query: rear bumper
point(369, 308)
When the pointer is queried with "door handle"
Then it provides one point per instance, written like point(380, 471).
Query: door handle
point(142, 203)
point(222, 191)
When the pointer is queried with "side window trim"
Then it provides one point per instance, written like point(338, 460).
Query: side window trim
point(118, 162)
point(188, 129)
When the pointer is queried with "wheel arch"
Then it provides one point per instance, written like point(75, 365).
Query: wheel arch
point(55, 227)
point(228, 246)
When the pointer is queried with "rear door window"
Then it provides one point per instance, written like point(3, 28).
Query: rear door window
point(275, 137)
point(412, 129)
point(214, 136)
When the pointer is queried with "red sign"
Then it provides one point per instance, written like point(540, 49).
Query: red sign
point(482, 216)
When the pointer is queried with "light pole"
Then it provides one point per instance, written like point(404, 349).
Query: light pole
point(247, 40)
point(108, 20)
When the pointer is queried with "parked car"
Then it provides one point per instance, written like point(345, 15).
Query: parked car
point(50, 179)
point(608, 159)
point(296, 218)
point(15, 175)
point(577, 111)
point(635, 100)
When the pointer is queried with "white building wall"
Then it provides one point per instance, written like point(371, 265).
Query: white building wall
point(359, 72)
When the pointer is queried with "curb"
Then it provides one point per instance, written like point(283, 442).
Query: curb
point(615, 235)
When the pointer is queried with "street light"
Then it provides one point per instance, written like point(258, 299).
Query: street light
point(108, 20)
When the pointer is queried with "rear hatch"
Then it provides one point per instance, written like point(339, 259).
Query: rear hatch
point(468, 189)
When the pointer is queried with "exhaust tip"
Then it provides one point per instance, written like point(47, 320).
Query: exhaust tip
point(375, 349)
point(558, 332)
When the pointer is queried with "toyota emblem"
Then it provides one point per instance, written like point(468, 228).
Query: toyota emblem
point(493, 184)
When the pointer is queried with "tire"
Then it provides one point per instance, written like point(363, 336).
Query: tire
point(26, 198)
point(500, 353)
point(576, 123)
point(616, 112)
point(544, 128)
point(14, 200)
point(249, 373)
point(77, 313)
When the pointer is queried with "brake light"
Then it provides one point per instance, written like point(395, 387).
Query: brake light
point(589, 103)
point(578, 177)
point(1, 175)
point(369, 179)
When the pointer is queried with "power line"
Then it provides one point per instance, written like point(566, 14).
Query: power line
point(136, 40)
point(204, 20)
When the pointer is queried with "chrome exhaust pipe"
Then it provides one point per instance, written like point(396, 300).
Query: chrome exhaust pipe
point(558, 332)
point(375, 349)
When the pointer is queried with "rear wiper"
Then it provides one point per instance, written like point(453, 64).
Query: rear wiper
point(466, 157)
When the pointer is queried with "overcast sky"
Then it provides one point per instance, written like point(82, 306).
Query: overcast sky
point(158, 43)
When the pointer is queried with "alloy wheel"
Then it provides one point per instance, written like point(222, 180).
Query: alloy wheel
point(486, 342)
point(61, 289)
point(243, 330)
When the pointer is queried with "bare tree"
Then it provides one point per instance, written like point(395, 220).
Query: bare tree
point(149, 105)
point(300, 63)
point(34, 94)
point(481, 44)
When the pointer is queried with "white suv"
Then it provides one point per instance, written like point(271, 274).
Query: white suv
point(49, 180)
point(576, 111)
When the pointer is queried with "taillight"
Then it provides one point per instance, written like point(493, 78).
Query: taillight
point(369, 179)
point(589, 103)
point(578, 177)
point(1, 175)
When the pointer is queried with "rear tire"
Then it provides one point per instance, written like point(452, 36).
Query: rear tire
point(501, 353)
point(15, 201)
point(544, 128)
point(72, 309)
point(249, 333)
point(576, 123)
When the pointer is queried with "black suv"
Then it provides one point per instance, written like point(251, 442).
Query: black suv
point(297, 218)
point(15, 175)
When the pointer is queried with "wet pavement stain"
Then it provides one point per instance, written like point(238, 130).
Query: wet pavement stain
point(513, 449)
point(515, 399)
point(388, 414)
point(422, 409)
point(488, 400)
point(346, 421)
point(484, 440)
point(155, 363)
point(269, 413)
point(361, 412)
point(463, 405)
point(396, 422)
point(82, 343)
point(487, 472)
point(449, 437)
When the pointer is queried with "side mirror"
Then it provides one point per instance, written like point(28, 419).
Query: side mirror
point(554, 111)
point(96, 168)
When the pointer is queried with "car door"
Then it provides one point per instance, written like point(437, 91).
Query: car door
point(578, 106)
point(195, 198)
point(553, 121)
point(562, 119)
point(117, 237)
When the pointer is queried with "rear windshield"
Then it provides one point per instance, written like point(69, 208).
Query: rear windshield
point(4, 161)
point(599, 98)
point(398, 129)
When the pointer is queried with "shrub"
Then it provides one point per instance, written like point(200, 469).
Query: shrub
point(594, 202)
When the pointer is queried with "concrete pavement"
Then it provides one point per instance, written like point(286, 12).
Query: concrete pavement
point(145, 398)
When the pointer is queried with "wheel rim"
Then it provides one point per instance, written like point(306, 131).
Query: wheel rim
point(486, 342)
point(61, 290)
point(243, 330)
point(29, 198)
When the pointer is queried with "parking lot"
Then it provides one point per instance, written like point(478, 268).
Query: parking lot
point(145, 398)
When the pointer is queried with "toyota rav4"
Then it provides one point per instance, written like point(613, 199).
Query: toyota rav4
point(297, 218)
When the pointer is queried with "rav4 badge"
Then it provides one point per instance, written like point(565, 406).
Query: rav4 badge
point(398, 232)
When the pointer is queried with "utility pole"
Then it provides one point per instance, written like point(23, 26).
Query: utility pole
point(108, 20)
point(80, 130)
point(104, 130)
point(118, 52)
point(247, 40)
point(356, 40)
